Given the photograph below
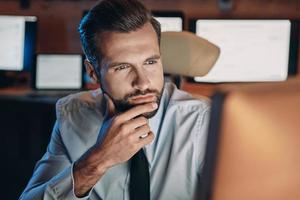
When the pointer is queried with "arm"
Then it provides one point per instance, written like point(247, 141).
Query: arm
point(125, 135)
point(55, 177)
point(52, 177)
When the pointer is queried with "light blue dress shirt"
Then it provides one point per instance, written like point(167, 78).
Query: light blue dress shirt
point(175, 156)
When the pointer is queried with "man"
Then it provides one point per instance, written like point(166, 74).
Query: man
point(98, 133)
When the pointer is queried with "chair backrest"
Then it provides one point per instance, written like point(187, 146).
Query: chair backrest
point(185, 54)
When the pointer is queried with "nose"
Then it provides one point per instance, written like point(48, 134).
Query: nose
point(141, 81)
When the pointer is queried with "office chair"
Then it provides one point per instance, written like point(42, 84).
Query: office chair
point(185, 54)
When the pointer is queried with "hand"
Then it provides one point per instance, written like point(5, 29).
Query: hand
point(125, 134)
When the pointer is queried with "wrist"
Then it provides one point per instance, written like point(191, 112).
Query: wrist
point(87, 171)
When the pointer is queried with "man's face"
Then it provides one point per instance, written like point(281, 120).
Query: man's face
point(131, 69)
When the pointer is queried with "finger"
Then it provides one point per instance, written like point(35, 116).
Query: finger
point(138, 110)
point(141, 132)
point(110, 107)
point(136, 123)
point(146, 140)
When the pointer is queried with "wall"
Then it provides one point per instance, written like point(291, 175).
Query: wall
point(59, 19)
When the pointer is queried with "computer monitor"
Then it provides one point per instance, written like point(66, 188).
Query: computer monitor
point(252, 50)
point(18, 42)
point(58, 72)
point(253, 144)
point(169, 20)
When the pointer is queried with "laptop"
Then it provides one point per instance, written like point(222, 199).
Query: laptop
point(57, 75)
point(253, 144)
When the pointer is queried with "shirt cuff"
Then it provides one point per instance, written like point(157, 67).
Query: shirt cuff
point(73, 190)
point(62, 187)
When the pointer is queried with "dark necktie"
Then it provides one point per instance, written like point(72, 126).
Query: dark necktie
point(139, 187)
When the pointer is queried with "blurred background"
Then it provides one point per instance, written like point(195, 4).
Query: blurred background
point(39, 40)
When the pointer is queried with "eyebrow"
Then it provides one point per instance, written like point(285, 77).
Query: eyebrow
point(153, 57)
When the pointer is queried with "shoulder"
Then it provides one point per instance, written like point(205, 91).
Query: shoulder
point(80, 113)
point(79, 119)
point(184, 110)
point(78, 102)
point(186, 102)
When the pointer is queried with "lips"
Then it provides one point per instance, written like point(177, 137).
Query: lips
point(140, 99)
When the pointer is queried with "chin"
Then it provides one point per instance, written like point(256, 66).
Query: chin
point(149, 115)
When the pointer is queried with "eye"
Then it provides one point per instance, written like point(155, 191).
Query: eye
point(121, 67)
point(150, 62)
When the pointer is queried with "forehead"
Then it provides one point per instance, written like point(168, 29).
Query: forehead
point(121, 46)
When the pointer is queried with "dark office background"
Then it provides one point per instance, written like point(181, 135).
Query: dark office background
point(26, 127)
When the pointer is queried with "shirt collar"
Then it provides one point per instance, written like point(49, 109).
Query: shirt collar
point(155, 121)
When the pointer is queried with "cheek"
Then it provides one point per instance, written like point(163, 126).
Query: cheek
point(157, 77)
point(115, 86)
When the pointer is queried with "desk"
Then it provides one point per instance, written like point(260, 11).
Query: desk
point(208, 89)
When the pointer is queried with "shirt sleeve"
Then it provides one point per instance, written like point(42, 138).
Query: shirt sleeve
point(53, 174)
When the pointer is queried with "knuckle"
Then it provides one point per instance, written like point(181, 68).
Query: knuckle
point(146, 129)
point(142, 120)
point(151, 106)
point(151, 136)
point(114, 120)
point(145, 120)
point(142, 123)
point(117, 119)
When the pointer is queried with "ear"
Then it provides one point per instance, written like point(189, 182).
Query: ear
point(91, 71)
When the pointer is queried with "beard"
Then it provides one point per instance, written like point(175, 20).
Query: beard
point(123, 105)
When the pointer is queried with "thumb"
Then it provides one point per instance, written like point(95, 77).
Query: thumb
point(110, 107)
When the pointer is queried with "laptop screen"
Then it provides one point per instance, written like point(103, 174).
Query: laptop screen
point(58, 71)
point(251, 50)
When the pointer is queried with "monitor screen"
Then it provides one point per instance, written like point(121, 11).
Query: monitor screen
point(17, 39)
point(58, 71)
point(170, 21)
point(253, 143)
point(251, 50)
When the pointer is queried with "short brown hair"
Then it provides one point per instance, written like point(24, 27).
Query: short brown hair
point(121, 16)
